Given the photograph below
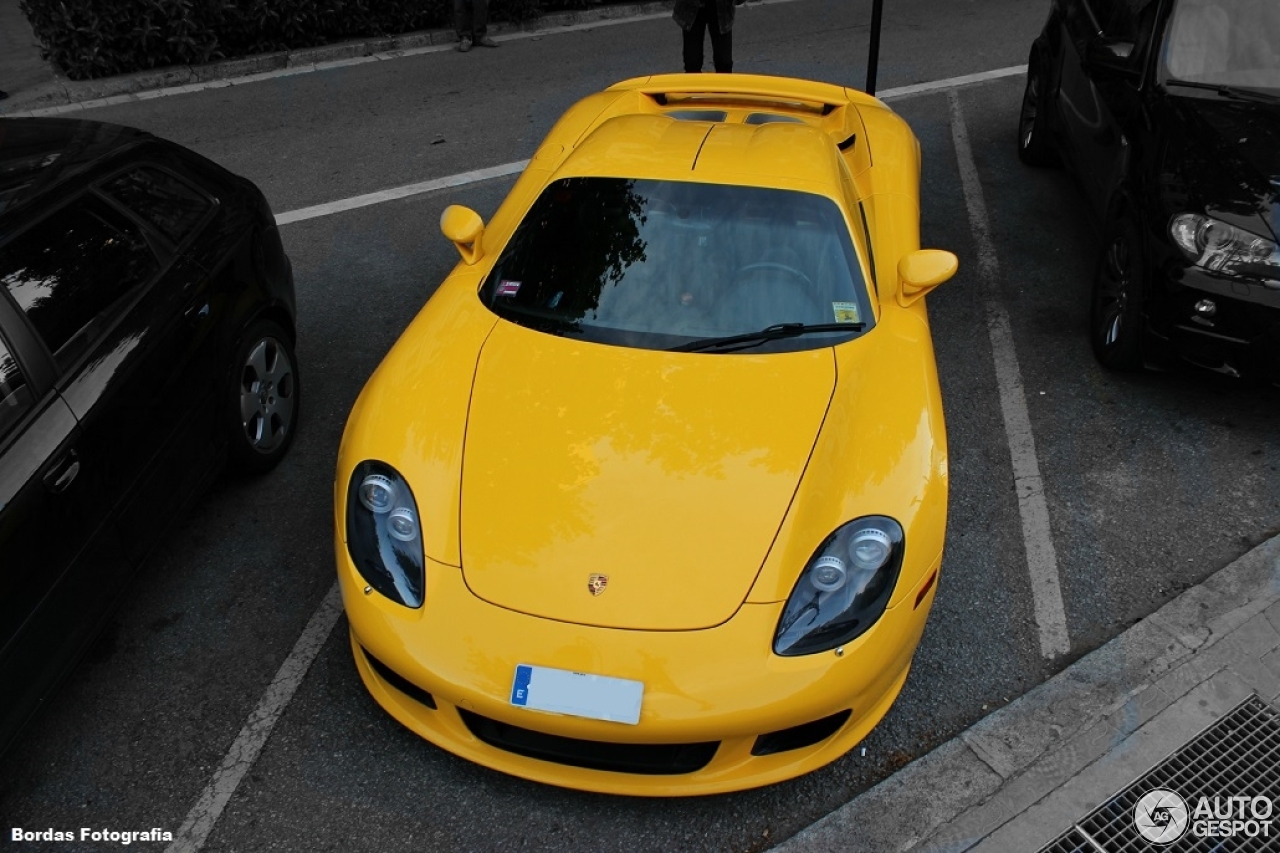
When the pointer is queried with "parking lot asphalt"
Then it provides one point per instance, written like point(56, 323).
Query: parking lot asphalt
point(1152, 482)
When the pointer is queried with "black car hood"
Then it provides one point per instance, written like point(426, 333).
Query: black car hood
point(1224, 157)
point(36, 153)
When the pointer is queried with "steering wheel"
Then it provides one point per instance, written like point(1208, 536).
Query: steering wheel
point(775, 266)
point(774, 298)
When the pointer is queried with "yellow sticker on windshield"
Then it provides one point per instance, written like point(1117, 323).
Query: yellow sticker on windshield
point(846, 312)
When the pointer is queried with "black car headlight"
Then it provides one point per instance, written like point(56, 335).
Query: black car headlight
point(1223, 248)
point(384, 536)
point(844, 589)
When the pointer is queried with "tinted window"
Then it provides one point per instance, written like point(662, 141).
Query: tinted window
point(1228, 42)
point(696, 115)
point(767, 118)
point(74, 272)
point(655, 264)
point(15, 395)
point(161, 199)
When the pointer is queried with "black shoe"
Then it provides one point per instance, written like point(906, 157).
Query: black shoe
point(3, 94)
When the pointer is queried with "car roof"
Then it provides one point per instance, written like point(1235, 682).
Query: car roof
point(784, 155)
point(38, 153)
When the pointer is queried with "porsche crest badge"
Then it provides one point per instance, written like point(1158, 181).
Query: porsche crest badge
point(596, 583)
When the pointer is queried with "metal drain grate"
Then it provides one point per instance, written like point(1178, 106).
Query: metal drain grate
point(1237, 756)
point(1072, 842)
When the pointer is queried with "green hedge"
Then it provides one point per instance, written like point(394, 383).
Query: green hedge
point(99, 38)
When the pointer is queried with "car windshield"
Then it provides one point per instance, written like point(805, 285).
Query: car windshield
point(1229, 43)
point(661, 264)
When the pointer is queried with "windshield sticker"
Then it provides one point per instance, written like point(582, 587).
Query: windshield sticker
point(508, 288)
point(846, 312)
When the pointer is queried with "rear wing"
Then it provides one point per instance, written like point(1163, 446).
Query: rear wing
point(832, 108)
point(823, 98)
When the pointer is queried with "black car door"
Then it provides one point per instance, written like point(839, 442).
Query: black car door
point(60, 559)
point(94, 285)
point(1078, 107)
point(179, 382)
point(1101, 88)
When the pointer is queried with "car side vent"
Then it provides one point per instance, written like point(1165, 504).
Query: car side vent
point(798, 737)
point(399, 682)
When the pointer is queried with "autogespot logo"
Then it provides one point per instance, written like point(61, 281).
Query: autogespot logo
point(1161, 816)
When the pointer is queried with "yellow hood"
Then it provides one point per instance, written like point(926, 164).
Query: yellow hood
point(669, 473)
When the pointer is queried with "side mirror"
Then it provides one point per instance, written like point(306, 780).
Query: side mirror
point(1110, 58)
point(921, 271)
point(464, 227)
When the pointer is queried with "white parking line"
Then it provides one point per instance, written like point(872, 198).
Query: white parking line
point(248, 744)
point(1037, 536)
point(458, 180)
point(950, 83)
point(464, 178)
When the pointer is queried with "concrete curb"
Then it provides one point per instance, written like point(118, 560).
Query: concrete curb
point(1221, 637)
point(74, 93)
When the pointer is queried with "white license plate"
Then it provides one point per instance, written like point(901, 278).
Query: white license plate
point(578, 694)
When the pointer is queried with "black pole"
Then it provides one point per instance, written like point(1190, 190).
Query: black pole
point(873, 58)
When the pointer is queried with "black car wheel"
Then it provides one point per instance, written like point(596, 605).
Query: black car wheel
point(263, 404)
point(1116, 319)
point(1034, 147)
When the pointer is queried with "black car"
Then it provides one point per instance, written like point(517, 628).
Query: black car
point(146, 336)
point(1168, 113)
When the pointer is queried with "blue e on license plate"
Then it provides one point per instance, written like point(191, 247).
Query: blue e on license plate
point(578, 694)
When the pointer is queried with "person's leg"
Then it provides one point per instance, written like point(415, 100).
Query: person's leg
point(480, 23)
point(722, 50)
point(721, 43)
point(461, 20)
point(693, 39)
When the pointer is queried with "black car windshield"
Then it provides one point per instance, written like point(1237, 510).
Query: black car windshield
point(661, 264)
point(1225, 43)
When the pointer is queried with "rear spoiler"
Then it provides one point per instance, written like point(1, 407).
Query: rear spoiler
point(820, 98)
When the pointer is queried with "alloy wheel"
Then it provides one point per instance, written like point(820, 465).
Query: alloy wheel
point(266, 395)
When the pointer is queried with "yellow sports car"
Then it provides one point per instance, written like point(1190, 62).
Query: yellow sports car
point(650, 497)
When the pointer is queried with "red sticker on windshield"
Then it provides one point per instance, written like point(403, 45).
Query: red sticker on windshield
point(508, 288)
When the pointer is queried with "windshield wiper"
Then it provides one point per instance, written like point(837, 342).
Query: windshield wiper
point(770, 333)
point(1226, 91)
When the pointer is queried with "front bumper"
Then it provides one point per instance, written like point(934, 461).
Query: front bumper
point(714, 699)
point(1242, 334)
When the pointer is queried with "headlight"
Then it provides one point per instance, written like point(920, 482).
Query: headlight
point(1219, 247)
point(844, 588)
point(384, 538)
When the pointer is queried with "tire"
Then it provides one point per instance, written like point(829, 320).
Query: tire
point(262, 404)
point(1115, 320)
point(1034, 145)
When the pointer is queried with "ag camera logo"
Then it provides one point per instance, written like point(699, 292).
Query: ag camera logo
point(1161, 816)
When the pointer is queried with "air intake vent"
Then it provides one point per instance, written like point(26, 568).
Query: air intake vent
point(798, 737)
point(642, 758)
point(399, 682)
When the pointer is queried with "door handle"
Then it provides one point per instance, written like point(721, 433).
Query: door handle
point(63, 473)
